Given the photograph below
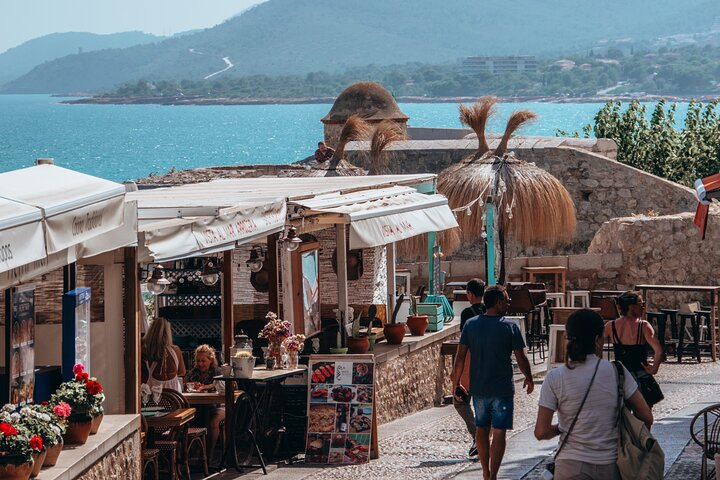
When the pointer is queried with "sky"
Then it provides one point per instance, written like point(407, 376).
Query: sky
point(23, 20)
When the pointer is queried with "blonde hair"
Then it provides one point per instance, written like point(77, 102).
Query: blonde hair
point(209, 352)
point(157, 340)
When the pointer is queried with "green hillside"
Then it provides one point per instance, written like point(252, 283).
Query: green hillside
point(300, 36)
point(20, 60)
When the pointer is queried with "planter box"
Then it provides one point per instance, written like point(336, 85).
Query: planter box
point(430, 309)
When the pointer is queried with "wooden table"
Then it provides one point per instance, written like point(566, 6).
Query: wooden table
point(174, 419)
point(206, 398)
point(714, 292)
point(261, 375)
point(557, 271)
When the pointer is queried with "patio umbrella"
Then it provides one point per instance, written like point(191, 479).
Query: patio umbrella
point(532, 206)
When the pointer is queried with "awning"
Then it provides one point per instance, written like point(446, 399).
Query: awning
point(76, 207)
point(382, 216)
point(177, 222)
point(21, 235)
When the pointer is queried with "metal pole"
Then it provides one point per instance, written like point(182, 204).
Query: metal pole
point(490, 231)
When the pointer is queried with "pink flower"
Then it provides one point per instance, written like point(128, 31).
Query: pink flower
point(78, 368)
point(62, 410)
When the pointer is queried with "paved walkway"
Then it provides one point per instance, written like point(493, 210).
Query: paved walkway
point(433, 444)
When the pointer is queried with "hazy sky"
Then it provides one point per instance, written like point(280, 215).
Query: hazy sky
point(22, 20)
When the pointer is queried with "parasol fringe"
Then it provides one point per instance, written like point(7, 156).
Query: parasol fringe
point(476, 118)
point(516, 120)
point(355, 128)
point(386, 133)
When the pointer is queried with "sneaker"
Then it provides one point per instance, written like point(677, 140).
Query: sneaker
point(473, 450)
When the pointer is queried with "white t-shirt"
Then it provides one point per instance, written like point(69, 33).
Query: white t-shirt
point(594, 438)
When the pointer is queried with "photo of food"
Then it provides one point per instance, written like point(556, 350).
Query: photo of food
point(342, 393)
point(360, 418)
point(317, 448)
point(321, 418)
point(341, 417)
point(364, 394)
point(363, 373)
point(323, 372)
point(337, 456)
point(338, 440)
point(357, 448)
point(319, 393)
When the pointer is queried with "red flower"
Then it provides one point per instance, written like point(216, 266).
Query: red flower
point(7, 429)
point(44, 404)
point(82, 377)
point(36, 443)
point(93, 387)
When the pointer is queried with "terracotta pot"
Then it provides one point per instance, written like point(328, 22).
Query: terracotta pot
point(394, 333)
point(38, 460)
point(417, 324)
point(358, 345)
point(52, 454)
point(11, 471)
point(78, 431)
point(96, 421)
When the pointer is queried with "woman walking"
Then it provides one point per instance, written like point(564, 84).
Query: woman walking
point(631, 336)
point(584, 392)
point(162, 363)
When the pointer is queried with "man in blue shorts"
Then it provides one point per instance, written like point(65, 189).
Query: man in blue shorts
point(491, 340)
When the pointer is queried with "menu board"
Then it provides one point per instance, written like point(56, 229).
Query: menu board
point(340, 409)
point(21, 345)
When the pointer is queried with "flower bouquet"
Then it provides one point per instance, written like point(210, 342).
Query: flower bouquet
point(276, 331)
point(294, 345)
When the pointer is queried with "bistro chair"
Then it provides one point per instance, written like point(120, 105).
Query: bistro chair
point(705, 431)
point(150, 456)
point(169, 442)
point(192, 436)
point(521, 303)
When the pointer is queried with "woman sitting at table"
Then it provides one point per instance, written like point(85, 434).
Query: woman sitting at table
point(162, 362)
point(200, 379)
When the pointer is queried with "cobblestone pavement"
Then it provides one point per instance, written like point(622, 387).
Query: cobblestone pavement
point(434, 443)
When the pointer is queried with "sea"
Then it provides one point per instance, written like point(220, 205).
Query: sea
point(126, 142)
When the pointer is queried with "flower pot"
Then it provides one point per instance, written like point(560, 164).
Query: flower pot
point(39, 459)
point(394, 333)
point(15, 471)
point(338, 350)
point(78, 430)
point(243, 366)
point(358, 344)
point(417, 324)
point(53, 453)
point(371, 339)
point(96, 421)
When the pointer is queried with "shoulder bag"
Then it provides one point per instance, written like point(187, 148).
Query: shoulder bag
point(640, 456)
point(550, 466)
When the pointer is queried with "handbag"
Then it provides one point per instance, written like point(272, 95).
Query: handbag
point(640, 456)
point(649, 387)
point(550, 466)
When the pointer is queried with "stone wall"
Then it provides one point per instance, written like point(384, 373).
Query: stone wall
point(412, 382)
point(601, 188)
point(121, 463)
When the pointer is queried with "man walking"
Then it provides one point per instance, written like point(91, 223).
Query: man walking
point(491, 340)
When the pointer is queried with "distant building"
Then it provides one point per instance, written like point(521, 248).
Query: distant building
point(565, 64)
point(499, 65)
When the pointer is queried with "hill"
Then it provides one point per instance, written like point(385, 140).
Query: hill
point(301, 36)
point(20, 60)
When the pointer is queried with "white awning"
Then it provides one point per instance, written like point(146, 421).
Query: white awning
point(187, 221)
point(76, 207)
point(382, 216)
point(21, 235)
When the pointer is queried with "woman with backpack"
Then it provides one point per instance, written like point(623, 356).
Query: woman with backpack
point(584, 392)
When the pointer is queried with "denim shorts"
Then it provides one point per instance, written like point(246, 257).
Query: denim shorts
point(495, 412)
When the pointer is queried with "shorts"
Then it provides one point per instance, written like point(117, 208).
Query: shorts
point(495, 412)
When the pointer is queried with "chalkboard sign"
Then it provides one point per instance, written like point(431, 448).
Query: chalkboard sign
point(341, 409)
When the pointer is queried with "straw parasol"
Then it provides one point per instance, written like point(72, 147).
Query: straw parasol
point(532, 206)
point(386, 133)
point(355, 128)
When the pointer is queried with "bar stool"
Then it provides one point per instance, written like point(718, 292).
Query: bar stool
point(583, 295)
point(695, 346)
point(558, 299)
point(659, 320)
point(670, 314)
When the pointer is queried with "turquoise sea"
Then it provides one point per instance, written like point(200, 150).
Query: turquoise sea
point(125, 142)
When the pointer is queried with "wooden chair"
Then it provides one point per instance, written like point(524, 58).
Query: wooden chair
point(169, 442)
point(150, 456)
point(521, 303)
point(705, 431)
point(193, 436)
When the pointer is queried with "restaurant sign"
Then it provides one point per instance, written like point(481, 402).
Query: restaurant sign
point(247, 223)
point(341, 409)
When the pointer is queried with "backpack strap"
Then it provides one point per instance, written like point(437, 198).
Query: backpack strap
point(582, 404)
point(620, 370)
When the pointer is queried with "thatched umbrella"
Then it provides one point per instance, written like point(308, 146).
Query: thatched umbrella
point(387, 132)
point(532, 206)
point(355, 128)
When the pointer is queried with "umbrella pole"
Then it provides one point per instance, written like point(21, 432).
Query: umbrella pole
point(431, 262)
point(490, 251)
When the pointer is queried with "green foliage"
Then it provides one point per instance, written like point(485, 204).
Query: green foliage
point(656, 145)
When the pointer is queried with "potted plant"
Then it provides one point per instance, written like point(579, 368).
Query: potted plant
point(294, 345)
point(358, 341)
point(417, 324)
point(17, 446)
point(395, 332)
point(275, 331)
point(39, 423)
point(79, 394)
point(59, 415)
